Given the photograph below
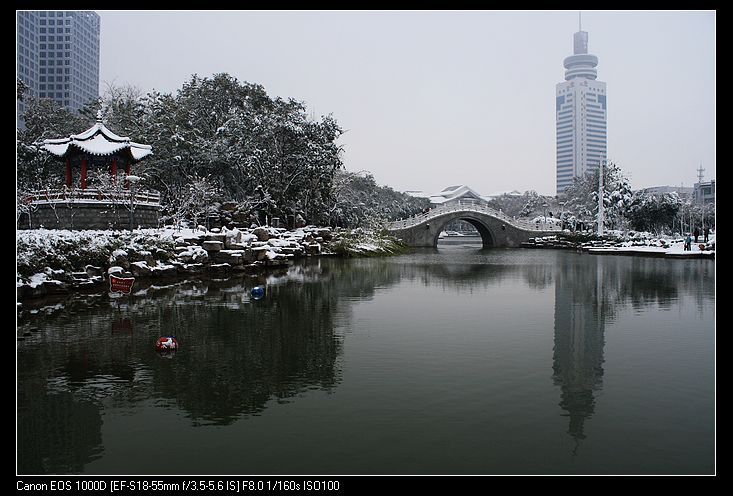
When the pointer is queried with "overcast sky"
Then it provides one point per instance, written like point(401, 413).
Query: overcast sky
point(432, 99)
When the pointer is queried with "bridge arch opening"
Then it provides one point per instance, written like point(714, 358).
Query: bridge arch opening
point(487, 238)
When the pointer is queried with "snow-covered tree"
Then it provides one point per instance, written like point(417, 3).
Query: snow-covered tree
point(356, 200)
point(654, 213)
point(581, 198)
point(219, 128)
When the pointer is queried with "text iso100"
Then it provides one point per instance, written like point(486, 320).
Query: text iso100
point(321, 485)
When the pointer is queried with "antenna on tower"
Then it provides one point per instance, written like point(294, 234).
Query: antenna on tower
point(580, 24)
point(699, 174)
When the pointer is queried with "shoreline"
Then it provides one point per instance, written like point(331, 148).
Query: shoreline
point(59, 262)
point(644, 247)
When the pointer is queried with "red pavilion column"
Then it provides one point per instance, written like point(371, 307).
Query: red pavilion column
point(83, 173)
point(68, 172)
point(114, 169)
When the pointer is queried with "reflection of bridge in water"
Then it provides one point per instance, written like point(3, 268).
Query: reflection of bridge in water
point(495, 227)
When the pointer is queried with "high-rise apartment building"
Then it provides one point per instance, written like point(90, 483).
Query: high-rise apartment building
point(58, 56)
point(580, 116)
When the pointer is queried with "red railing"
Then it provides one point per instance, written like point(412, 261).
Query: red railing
point(94, 195)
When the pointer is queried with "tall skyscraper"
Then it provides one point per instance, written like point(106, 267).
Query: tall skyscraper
point(580, 115)
point(58, 56)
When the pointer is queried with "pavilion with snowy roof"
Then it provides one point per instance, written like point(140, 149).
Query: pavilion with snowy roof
point(93, 201)
point(96, 145)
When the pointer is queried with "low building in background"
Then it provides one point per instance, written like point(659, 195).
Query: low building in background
point(705, 192)
point(683, 192)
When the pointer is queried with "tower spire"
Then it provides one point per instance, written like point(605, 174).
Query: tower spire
point(580, 24)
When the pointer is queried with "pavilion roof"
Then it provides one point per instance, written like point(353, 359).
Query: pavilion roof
point(97, 140)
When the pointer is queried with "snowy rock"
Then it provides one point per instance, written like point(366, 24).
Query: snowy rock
point(232, 237)
point(215, 237)
point(93, 271)
point(213, 245)
point(54, 287)
point(119, 257)
point(192, 240)
point(115, 270)
point(194, 268)
point(140, 269)
point(233, 257)
point(261, 233)
point(160, 254)
point(223, 267)
point(325, 234)
point(165, 270)
point(248, 238)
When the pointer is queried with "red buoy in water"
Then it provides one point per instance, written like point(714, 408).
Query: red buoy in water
point(166, 343)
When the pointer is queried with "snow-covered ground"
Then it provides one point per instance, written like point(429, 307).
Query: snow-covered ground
point(668, 246)
point(617, 242)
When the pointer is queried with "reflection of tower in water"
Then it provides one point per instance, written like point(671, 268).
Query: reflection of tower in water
point(578, 351)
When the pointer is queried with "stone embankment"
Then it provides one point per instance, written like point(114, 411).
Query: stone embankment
point(57, 262)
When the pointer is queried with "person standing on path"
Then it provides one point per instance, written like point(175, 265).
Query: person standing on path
point(688, 243)
point(706, 232)
point(696, 232)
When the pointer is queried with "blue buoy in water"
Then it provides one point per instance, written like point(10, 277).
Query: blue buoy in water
point(258, 292)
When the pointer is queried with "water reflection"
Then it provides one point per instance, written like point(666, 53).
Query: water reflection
point(578, 342)
point(241, 357)
point(588, 295)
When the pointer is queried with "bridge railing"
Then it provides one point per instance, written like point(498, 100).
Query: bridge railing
point(466, 206)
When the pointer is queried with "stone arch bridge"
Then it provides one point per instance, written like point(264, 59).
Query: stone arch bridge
point(496, 228)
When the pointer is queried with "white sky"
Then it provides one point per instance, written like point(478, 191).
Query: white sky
point(432, 99)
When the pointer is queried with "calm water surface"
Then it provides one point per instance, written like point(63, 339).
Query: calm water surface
point(455, 361)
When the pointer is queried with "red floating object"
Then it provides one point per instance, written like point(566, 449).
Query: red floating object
point(166, 343)
point(121, 284)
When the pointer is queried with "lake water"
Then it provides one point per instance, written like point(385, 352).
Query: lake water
point(449, 361)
